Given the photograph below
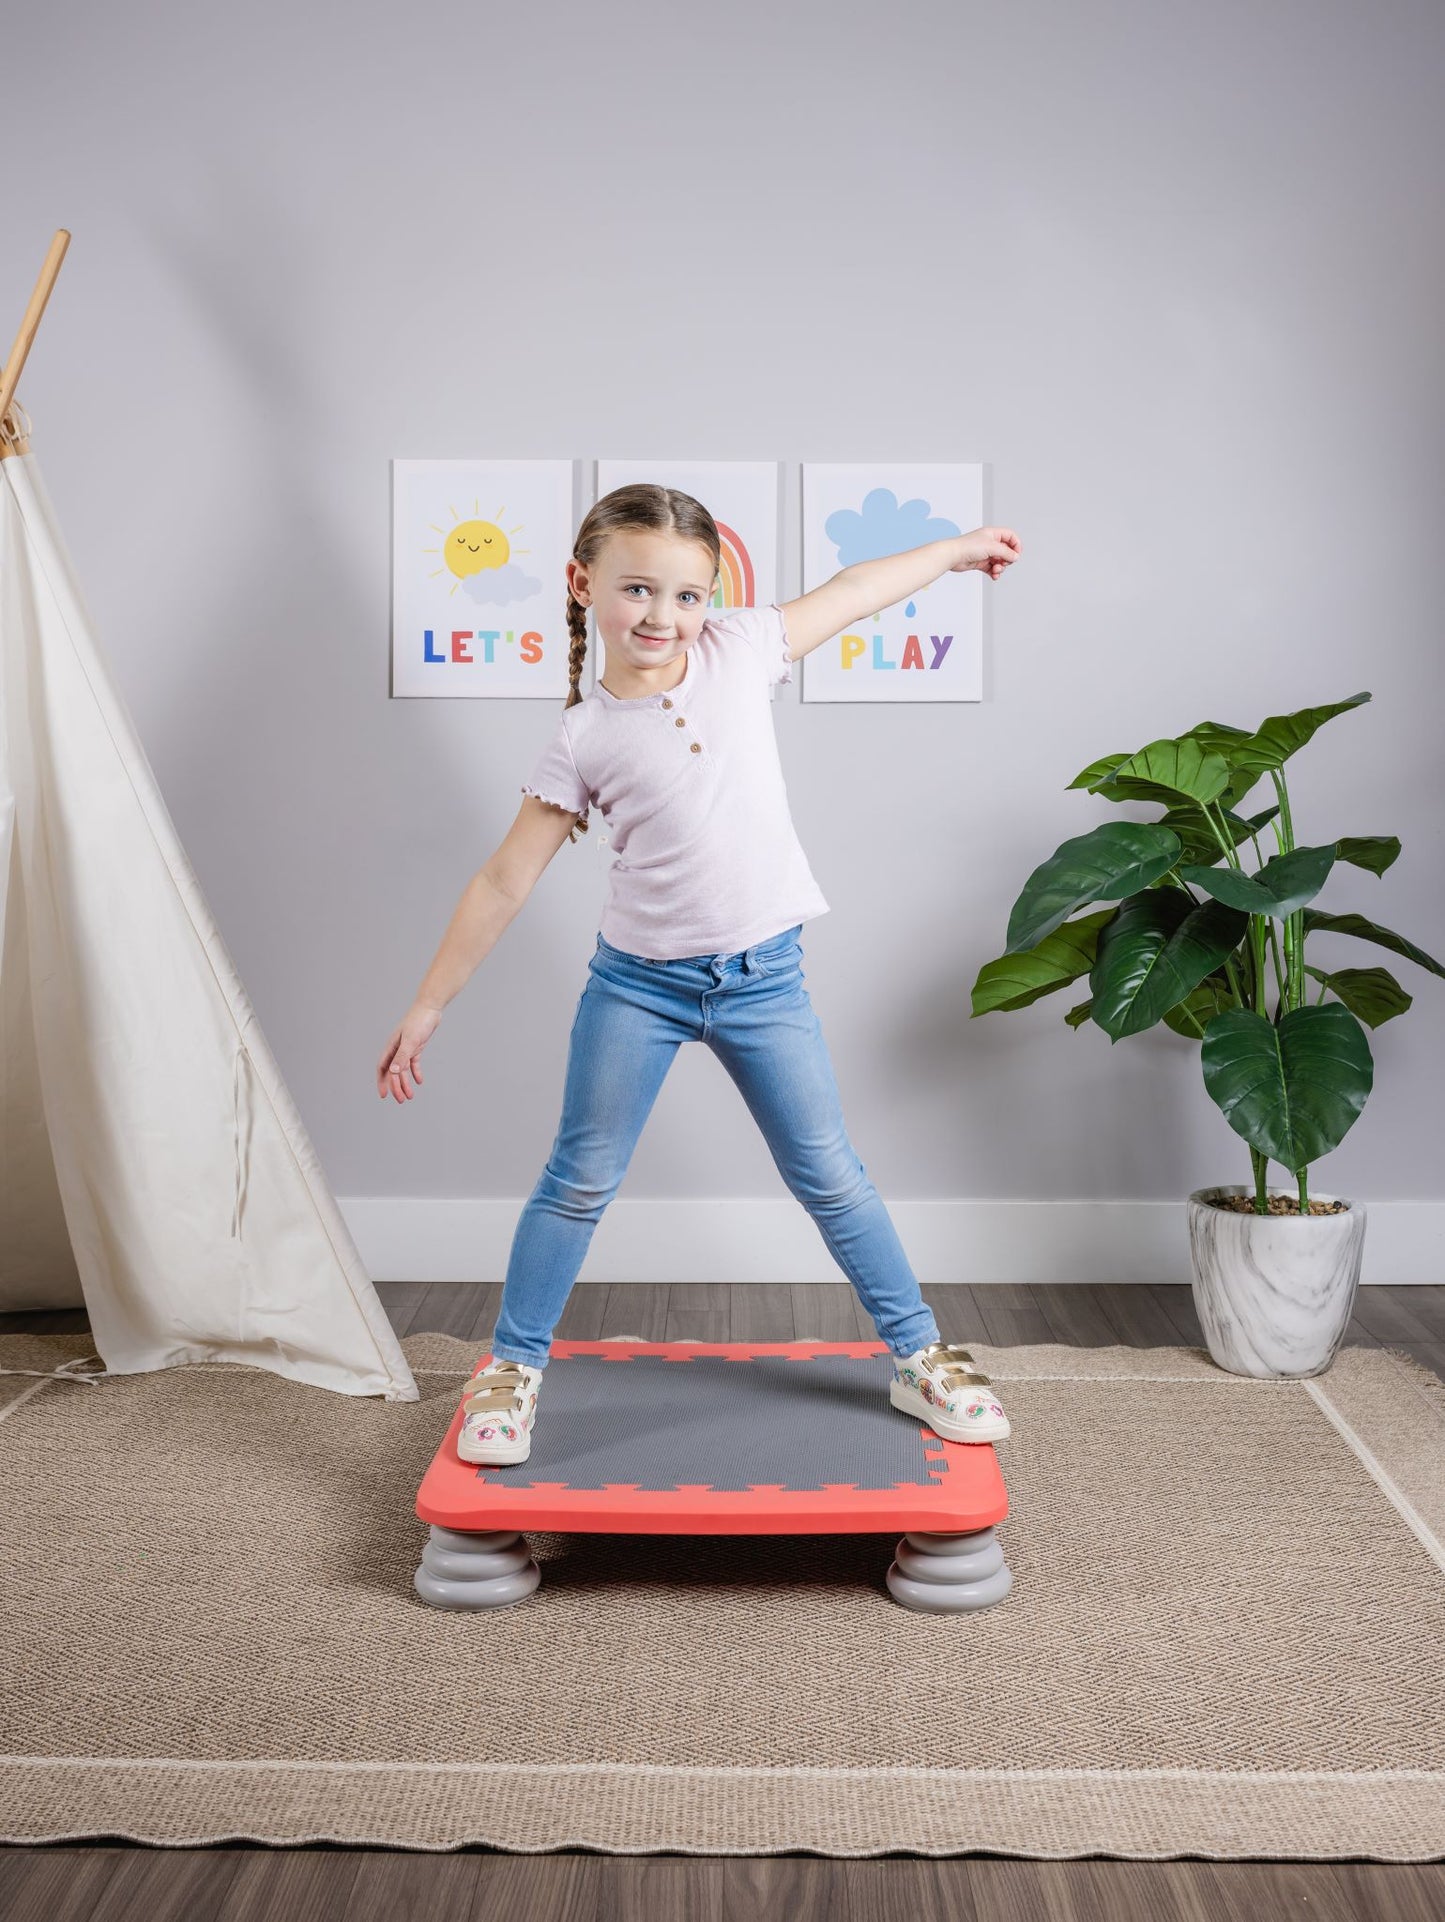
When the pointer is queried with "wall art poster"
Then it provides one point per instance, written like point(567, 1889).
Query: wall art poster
point(479, 553)
point(927, 646)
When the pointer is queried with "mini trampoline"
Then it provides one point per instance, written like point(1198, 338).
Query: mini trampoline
point(719, 1438)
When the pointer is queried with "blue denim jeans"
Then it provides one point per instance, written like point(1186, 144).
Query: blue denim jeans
point(752, 1010)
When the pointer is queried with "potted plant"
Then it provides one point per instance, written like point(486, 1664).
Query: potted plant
point(1191, 942)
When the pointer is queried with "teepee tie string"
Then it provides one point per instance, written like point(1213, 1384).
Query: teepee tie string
point(242, 1148)
point(67, 1371)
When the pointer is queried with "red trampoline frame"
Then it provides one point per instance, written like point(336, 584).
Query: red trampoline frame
point(965, 1491)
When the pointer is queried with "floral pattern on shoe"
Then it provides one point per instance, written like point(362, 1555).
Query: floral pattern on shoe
point(976, 1408)
point(500, 1404)
point(490, 1430)
point(942, 1376)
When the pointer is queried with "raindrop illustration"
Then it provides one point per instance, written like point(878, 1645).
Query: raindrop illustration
point(910, 610)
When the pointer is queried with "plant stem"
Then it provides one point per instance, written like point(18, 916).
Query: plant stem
point(1294, 942)
point(1260, 1164)
point(1288, 964)
point(1276, 774)
point(1294, 923)
point(1280, 976)
point(1208, 809)
point(1257, 958)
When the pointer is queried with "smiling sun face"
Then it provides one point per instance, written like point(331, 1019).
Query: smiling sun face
point(473, 546)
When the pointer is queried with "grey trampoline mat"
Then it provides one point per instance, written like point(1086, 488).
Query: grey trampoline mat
point(709, 1422)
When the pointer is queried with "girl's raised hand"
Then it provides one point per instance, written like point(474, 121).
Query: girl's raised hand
point(990, 550)
point(398, 1064)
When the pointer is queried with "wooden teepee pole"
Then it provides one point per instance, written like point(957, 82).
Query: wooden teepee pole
point(13, 440)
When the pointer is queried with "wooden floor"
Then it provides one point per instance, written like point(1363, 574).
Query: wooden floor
point(122, 1883)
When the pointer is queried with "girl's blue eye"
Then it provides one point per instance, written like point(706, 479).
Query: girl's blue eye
point(639, 584)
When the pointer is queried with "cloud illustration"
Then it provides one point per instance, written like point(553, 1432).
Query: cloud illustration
point(496, 586)
point(883, 526)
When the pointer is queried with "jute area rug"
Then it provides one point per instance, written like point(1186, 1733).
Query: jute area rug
point(1224, 1639)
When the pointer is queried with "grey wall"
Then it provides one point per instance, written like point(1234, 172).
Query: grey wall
point(1173, 274)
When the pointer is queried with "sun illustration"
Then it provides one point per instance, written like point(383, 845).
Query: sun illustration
point(473, 546)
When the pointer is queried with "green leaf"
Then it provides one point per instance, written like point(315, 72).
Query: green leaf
point(1235, 789)
point(1273, 742)
point(1196, 843)
point(1102, 865)
point(1281, 886)
point(1293, 1088)
point(1158, 946)
point(1197, 840)
point(1211, 736)
point(1097, 771)
point(1165, 769)
point(1218, 736)
point(1078, 1014)
point(1367, 930)
point(1210, 998)
point(1014, 980)
point(1374, 852)
point(1373, 994)
point(1231, 886)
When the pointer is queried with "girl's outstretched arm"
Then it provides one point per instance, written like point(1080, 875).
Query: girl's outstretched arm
point(867, 587)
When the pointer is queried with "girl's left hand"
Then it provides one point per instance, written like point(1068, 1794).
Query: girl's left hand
point(990, 550)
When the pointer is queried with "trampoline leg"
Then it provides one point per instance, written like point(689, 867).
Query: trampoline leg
point(475, 1571)
point(942, 1573)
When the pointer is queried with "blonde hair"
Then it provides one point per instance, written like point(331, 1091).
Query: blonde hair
point(651, 509)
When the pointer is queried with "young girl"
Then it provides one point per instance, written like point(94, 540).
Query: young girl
point(699, 936)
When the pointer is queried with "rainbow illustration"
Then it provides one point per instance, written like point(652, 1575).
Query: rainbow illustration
point(736, 582)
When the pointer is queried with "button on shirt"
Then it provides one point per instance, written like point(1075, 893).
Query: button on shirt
point(691, 787)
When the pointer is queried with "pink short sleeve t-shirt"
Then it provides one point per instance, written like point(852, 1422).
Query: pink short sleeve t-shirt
point(691, 787)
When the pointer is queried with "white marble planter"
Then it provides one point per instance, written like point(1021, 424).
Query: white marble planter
point(1274, 1292)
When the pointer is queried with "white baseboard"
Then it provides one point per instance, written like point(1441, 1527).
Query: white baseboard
point(777, 1241)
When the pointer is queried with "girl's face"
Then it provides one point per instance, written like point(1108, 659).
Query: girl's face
point(649, 593)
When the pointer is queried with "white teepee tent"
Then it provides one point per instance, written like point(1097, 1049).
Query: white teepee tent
point(151, 1159)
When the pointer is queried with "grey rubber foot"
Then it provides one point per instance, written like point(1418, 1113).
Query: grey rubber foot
point(942, 1573)
point(475, 1571)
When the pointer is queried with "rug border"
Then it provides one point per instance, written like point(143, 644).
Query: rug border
point(616, 1809)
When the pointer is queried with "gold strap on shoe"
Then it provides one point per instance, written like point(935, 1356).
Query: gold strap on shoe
point(495, 1387)
point(952, 1362)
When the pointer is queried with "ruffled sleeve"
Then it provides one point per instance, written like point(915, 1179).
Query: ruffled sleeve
point(555, 777)
point(764, 630)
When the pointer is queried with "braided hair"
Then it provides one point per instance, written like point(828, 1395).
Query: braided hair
point(652, 509)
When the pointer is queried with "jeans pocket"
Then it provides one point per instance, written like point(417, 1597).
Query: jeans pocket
point(780, 955)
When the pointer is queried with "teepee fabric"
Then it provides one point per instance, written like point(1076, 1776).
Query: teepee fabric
point(152, 1162)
